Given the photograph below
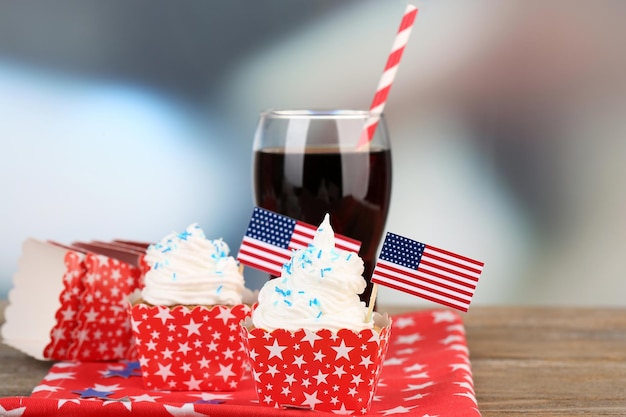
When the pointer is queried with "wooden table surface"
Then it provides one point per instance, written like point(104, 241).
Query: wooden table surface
point(526, 361)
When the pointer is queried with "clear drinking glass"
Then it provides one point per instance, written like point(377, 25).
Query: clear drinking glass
point(307, 163)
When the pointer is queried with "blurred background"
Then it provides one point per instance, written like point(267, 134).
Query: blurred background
point(507, 119)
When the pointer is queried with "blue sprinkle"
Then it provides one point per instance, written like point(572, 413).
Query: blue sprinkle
point(174, 276)
point(287, 302)
point(319, 254)
point(219, 289)
point(283, 292)
point(325, 270)
point(349, 256)
point(313, 302)
point(166, 250)
point(300, 292)
point(156, 265)
point(319, 315)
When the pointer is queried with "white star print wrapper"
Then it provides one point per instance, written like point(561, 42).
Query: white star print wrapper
point(190, 349)
point(427, 372)
point(69, 302)
point(322, 370)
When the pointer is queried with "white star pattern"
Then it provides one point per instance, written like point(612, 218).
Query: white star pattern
point(342, 410)
point(192, 328)
point(414, 367)
point(225, 315)
point(418, 375)
point(311, 400)
point(272, 370)
point(395, 361)
point(164, 314)
point(310, 337)
point(463, 366)
point(164, 371)
point(144, 398)
point(444, 316)
point(326, 371)
point(99, 387)
point(465, 384)
point(186, 410)
point(397, 410)
point(299, 361)
point(61, 403)
point(320, 377)
point(342, 351)
point(418, 396)
point(193, 384)
point(44, 387)
point(276, 350)
point(126, 404)
point(53, 376)
point(452, 338)
point(413, 387)
point(181, 358)
point(94, 311)
point(225, 371)
point(13, 412)
point(468, 395)
point(211, 396)
point(408, 339)
point(402, 322)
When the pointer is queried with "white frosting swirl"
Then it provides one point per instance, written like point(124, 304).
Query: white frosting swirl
point(318, 289)
point(187, 268)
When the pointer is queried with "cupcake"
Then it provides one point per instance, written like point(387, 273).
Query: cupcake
point(186, 321)
point(310, 341)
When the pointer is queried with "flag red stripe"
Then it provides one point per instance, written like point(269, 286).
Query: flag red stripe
point(255, 263)
point(304, 233)
point(452, 279)
point(295, 242)
point(454, 255)
point(347, 240)
point(443, 268)
point(421, 295)
point(339, 245)
point(265, 247)
point(243, 252)
point(304, 229)
point(418, 281)
point(450, 262)
point(390, 266)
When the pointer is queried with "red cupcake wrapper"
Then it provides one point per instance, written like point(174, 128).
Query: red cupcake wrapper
point(73, 287)
point(82, 291)
point(103, 325)
point(183, 349)
point(324, 371)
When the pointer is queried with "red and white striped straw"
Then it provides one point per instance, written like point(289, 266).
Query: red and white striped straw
point(389, 74)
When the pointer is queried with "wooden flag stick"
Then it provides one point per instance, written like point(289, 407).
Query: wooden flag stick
point(241, 266)
point(370, 307)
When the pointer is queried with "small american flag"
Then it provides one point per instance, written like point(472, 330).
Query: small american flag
point(271, 239)
point(426, 271)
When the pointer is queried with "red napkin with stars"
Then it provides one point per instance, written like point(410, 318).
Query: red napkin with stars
point(426, 373)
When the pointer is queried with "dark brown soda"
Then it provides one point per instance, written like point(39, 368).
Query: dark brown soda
point(354, 187)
